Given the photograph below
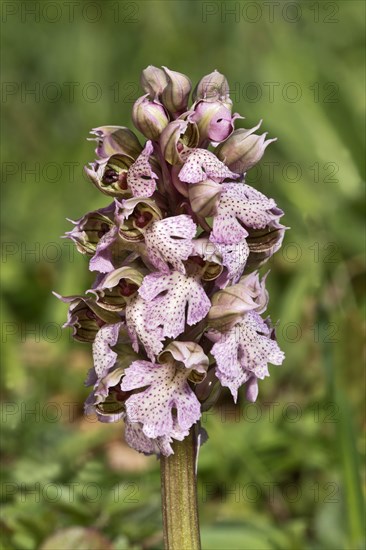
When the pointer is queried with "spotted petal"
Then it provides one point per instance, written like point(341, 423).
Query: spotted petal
point(167, 388)
point(169, 296)
point(140, 177)
point(102, 259)
point(103, 356)
point(135, 438)
point(139, 329)
point(244, 351)
point(169, 241)
point(234, 258)
point(201, 164)
point(241, 205)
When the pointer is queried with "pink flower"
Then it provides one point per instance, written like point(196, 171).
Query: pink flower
point(175, 257)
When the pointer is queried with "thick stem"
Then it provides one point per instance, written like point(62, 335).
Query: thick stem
point(179, 496)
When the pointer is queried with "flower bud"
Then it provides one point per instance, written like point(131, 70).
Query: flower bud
point(110, 175)
point(176, 136)
point(214, 120)
point(115, 139)
point(204, 197)
point(212, 87)
point(153, 81)
point(229, 305)
point(243, 149)
point(176, 93)
point(149, 117)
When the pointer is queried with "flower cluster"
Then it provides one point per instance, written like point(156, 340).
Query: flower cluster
point(175, 312)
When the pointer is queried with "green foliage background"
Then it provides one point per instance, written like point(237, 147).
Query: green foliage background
point(284, 474)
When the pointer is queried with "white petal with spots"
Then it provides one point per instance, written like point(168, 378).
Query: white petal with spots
point(234, 258)
point(241, 205)
point(201, 164)
point(137, 317)
point(167, 404)
point(103, 356)
point(244, 351)
point(136, 439)
point(169, 241)
point(102, 259)
point(140, 177)
point(174, 298)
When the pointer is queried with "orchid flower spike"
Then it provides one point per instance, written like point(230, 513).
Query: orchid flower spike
point(176, 312)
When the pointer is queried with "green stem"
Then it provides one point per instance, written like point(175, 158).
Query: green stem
point(179, 496)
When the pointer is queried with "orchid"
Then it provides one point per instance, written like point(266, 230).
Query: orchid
point(177, 297)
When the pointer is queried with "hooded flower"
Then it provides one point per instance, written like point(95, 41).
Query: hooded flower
point(263, 243)
point(179, 135)
point(109, 175)
point(230, 304)
point(111, 355)
point(244, 352)
point(86, 317)
point(214, 120)
point(116, 288)
point(112, 140)
point(167, 405)
point(243, 149)
point(91, 228)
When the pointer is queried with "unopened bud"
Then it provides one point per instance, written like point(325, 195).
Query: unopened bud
point(175, 95)
point(153, 81)
point(243, 149)
point(149, 117)
point(212, 87)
